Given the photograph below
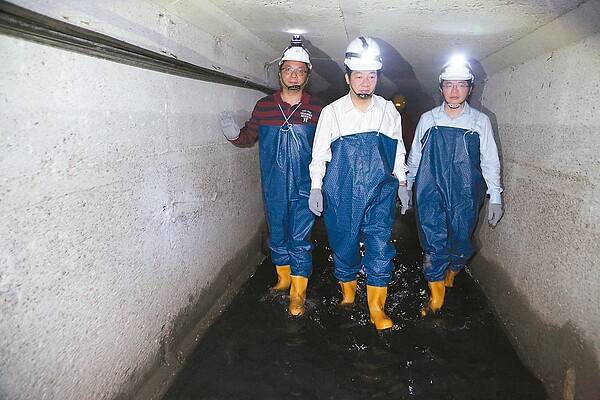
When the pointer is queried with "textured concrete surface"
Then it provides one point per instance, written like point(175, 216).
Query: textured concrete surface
point(124, 214)
point(151, 26)
point(125, 218)
point(414, 33)
point(545, 251)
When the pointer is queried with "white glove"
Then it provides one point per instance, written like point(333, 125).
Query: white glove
point(495, 212)
point(315, 201)
point(228, 126)
point(405, 199)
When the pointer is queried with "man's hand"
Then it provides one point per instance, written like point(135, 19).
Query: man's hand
point(405, 199)
point(315, 201)
point(495, 212)
point(228, 126)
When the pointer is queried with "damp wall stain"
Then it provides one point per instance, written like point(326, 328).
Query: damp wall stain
point(182, 334)
point(559, 355)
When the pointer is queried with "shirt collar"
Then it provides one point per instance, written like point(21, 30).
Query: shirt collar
point(465, 111)
point(305, 99)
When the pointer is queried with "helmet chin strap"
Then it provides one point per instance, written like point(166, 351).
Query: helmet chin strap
point(293, 88)
point(363, 96)
point(454, 105)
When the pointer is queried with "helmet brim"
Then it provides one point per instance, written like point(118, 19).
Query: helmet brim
point(362, 65)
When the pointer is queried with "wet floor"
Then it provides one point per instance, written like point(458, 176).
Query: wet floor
point(254, 350)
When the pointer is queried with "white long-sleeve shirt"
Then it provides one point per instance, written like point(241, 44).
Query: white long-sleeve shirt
point(469, 118)
point(341, 118)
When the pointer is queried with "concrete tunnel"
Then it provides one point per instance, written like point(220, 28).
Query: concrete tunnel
point(128, 222)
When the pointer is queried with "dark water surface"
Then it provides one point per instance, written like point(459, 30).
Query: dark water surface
point(254, 350)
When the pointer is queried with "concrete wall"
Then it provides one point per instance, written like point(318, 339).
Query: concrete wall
point(126, 218)
point(540, 267)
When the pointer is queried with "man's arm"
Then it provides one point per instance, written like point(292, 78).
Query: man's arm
point(249, 133)
point(490, 161)
point(321, 151)
point(399, 162)
point(414, 158)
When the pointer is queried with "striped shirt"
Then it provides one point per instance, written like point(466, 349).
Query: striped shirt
point(267, 112)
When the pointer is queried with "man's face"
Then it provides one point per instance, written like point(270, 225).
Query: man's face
point(294, 73)
point(455, 92)
point(362, 82)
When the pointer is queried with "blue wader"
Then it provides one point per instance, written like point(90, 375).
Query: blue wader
point(449, 192)
point(285, 152)
point(359, 202)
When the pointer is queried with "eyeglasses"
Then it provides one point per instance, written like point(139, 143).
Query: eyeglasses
point(459, 85)
point(291, 70)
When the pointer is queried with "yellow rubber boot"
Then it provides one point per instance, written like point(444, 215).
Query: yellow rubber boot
point(348, 292)
point(283, 277)
point(436, 299)
point(297, 294)
point(449, 280)
point(376, 299)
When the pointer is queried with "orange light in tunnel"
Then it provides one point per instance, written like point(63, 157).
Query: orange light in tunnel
point(399, 101)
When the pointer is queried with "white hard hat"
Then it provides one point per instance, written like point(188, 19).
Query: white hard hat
point(296, 52)
point(363, 54)
point(457, 69)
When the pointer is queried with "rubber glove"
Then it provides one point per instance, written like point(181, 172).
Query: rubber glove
point(228, 126)
point(405, 199)
point(315, 201)
point(494, 213)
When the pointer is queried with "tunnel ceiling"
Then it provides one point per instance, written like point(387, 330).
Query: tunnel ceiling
point(416, 36)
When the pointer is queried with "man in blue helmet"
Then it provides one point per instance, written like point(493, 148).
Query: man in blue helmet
point(453, 160)
point(284, 124)
point(356, 169)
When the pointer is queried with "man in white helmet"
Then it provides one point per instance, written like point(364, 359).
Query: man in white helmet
point(453, 160)
point(356, 169)
point(284, 124)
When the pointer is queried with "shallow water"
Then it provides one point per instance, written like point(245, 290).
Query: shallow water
point(254, 350)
